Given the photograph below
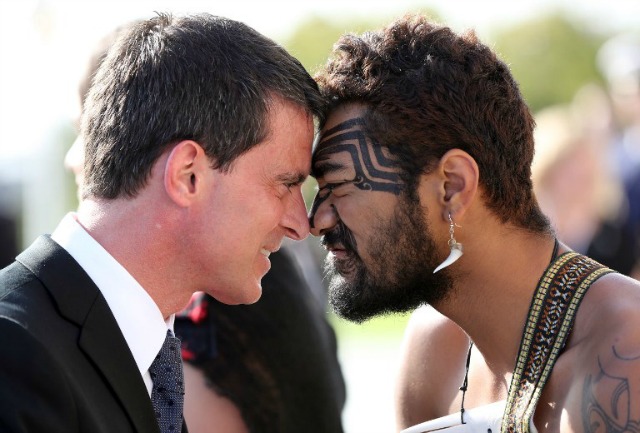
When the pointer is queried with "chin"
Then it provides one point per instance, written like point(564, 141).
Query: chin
point(240, 295)
point(343, 268)
point(252, 291)
point(255, 297)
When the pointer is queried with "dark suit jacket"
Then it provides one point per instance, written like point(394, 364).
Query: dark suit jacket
point(64, 363)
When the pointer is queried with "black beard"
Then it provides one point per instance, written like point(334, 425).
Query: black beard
point(400, 276)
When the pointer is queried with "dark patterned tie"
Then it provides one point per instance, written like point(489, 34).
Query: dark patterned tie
point(167, 395)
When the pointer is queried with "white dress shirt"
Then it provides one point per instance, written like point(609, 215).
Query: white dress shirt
point(138, 316)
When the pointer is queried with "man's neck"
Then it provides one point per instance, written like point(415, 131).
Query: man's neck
point(139, 237)
point(493, 290)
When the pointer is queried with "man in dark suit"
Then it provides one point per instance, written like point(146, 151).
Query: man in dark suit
point(197, 136)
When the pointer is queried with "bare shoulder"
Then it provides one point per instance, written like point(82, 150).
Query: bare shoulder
point(610, 390)
point(604, 392)
point(609, 309)
point(431, 367)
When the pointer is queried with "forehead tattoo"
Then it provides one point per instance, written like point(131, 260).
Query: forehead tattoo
point(374, 170)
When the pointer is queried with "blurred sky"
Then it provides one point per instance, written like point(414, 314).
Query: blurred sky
point(44, 44)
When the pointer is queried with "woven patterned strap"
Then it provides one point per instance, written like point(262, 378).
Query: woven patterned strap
point(548, 326)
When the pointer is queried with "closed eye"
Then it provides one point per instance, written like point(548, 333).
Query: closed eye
point(292, 185)
point(329, 188)
point(292, 180)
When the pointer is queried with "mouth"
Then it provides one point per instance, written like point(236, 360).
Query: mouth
point(343, 261)
point(269, 249)
point(265, 252)
point(339, 242)
point(338, 251)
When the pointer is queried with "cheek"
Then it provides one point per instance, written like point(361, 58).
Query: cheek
point(365, 209)
point(361, 222)
point(264, 215)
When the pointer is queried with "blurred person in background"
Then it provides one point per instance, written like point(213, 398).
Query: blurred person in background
point(197, 136)
point(425, 197)
point(618, 243)
point(573, 182)
point(270, 366)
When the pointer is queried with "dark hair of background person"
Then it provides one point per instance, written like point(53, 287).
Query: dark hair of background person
point(437, 92)
point(276, 360)
point(219, 100)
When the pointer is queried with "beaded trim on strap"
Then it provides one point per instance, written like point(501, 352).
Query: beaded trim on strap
point(548, 326)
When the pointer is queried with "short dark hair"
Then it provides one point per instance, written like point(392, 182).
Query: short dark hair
point(198, 77)
point(427, 90)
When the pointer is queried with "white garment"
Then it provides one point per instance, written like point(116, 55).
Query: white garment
point(483, 419)
point(138, 316)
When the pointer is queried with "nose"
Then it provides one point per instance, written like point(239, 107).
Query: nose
point(295, 218)
point(322, 216)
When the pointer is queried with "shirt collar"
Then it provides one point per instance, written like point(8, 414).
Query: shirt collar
point(137, 315)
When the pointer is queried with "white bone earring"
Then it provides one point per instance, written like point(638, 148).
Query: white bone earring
point(456, 248)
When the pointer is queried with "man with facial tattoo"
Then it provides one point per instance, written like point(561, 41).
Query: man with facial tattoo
point(425, 200)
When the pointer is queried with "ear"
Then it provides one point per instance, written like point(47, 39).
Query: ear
point(184, 172)
point(459, 176)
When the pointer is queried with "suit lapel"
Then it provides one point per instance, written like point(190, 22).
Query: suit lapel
point(80, 301)
point(103, 342)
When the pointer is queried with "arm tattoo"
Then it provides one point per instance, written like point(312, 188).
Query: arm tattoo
point(621, 413)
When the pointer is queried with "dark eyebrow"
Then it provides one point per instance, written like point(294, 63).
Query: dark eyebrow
point(292, 178)
point(320, 169)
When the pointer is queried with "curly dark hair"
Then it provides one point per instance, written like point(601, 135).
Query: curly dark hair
point(428, 90)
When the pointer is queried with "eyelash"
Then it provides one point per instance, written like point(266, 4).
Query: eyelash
point(328, 188)
point(291, 185)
